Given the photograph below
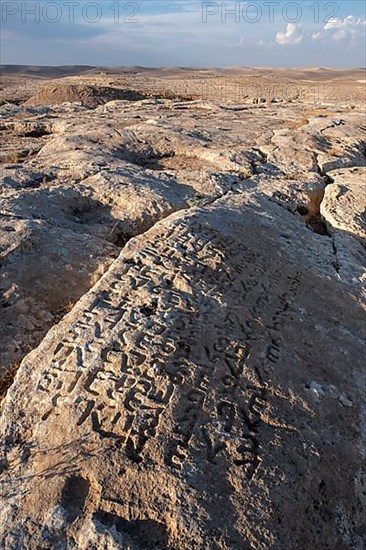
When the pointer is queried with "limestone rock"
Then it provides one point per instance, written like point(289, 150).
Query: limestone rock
point(344, 203)
point(344, 209)
point(182, 315)
point(156, 410)
point(89, 96)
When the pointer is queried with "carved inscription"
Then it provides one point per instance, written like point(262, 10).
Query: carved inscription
point(159, 341)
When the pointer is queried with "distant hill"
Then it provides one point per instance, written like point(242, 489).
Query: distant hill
point(39, 71)
point(46, 71)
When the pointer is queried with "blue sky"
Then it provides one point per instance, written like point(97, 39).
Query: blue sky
point(278, 33)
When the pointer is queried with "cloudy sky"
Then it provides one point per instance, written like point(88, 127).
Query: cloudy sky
point(278, 33)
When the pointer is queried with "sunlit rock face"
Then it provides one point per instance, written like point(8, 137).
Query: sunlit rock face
point(182, 306)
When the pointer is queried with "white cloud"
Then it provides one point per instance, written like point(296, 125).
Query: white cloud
point(174, 33)
point(291, 36)
point(350, 28)
point(349, 22)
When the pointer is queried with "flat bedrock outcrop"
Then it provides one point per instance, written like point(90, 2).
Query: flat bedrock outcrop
point(182, 325)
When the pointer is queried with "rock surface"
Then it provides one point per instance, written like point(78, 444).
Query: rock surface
point(184, 281)
point(88, 96)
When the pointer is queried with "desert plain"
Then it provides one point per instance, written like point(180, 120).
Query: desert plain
point(182, 329)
